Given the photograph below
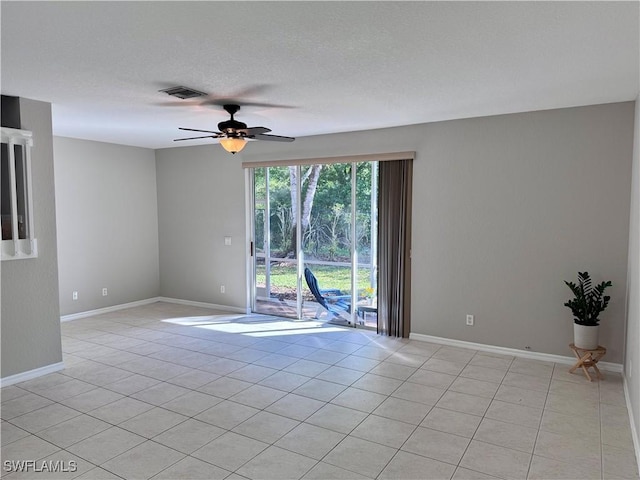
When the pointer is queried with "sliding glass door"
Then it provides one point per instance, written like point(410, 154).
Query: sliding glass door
point(366, 237)
point(326, 243)
point(275, 263)
point(314, 233)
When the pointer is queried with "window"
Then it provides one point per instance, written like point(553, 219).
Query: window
point(18, 239)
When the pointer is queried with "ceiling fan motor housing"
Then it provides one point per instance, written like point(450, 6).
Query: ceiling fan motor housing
point(230, 127)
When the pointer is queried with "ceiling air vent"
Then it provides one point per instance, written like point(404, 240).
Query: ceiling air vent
point(183, 92)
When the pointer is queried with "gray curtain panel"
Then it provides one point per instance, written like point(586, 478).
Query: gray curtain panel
point(394, 248)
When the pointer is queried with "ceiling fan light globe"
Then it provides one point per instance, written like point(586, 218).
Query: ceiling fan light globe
point(233, 145)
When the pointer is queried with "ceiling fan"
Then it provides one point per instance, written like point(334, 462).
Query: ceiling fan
point(233, 134)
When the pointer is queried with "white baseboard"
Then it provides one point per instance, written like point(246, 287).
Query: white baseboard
point(192, 303)
point(634, 430)
point(122, 306)
point(545, 357)
point(113, 308)
point(31, 374)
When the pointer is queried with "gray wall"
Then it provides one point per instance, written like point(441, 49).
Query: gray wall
point(508, 208)
point(30, 309)
point(505, 209)
point(200, 201)
point(106, 204)
point(632, 363)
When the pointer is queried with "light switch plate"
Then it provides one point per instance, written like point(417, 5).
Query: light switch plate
point(227, 240)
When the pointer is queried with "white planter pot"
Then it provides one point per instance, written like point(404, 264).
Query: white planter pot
point(585, 336)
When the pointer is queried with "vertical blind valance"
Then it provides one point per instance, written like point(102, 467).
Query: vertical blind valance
point(370, 157)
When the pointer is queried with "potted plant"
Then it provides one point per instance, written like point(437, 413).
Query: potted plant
point(588, 303)
point(369, 294)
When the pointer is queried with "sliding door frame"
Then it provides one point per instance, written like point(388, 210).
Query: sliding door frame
point(353, 160)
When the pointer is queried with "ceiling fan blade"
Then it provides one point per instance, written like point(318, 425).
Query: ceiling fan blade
point(195, 138)
point(273, 138)
point(238, 100)
point(248, 91)
point(179, 103)
point(196, 130)
point(249, 132)
point(251, 90)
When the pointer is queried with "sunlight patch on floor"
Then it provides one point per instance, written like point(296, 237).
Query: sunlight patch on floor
point(204, 320)
point(254, 325)
point(316, 331)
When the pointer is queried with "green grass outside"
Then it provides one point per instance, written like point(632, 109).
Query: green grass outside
point(284, 276)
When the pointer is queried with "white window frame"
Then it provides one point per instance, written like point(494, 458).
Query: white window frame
point(17, 248)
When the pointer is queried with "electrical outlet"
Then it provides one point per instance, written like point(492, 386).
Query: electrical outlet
point(104, 292)
point(470, 320)
point(74, 295)
point(221, 288)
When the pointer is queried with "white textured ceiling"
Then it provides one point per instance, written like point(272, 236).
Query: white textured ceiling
point(339, 66)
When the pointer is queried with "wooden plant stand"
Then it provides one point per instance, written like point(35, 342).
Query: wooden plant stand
point(587, 359)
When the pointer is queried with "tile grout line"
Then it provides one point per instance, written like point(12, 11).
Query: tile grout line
point(399, 449)
point(546, 397)
point(600, 431)
point(484, 414)
point(470, 439)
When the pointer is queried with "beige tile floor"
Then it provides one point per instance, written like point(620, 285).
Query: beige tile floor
point(167, 391)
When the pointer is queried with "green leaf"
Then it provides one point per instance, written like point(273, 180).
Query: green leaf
point(588, 301)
